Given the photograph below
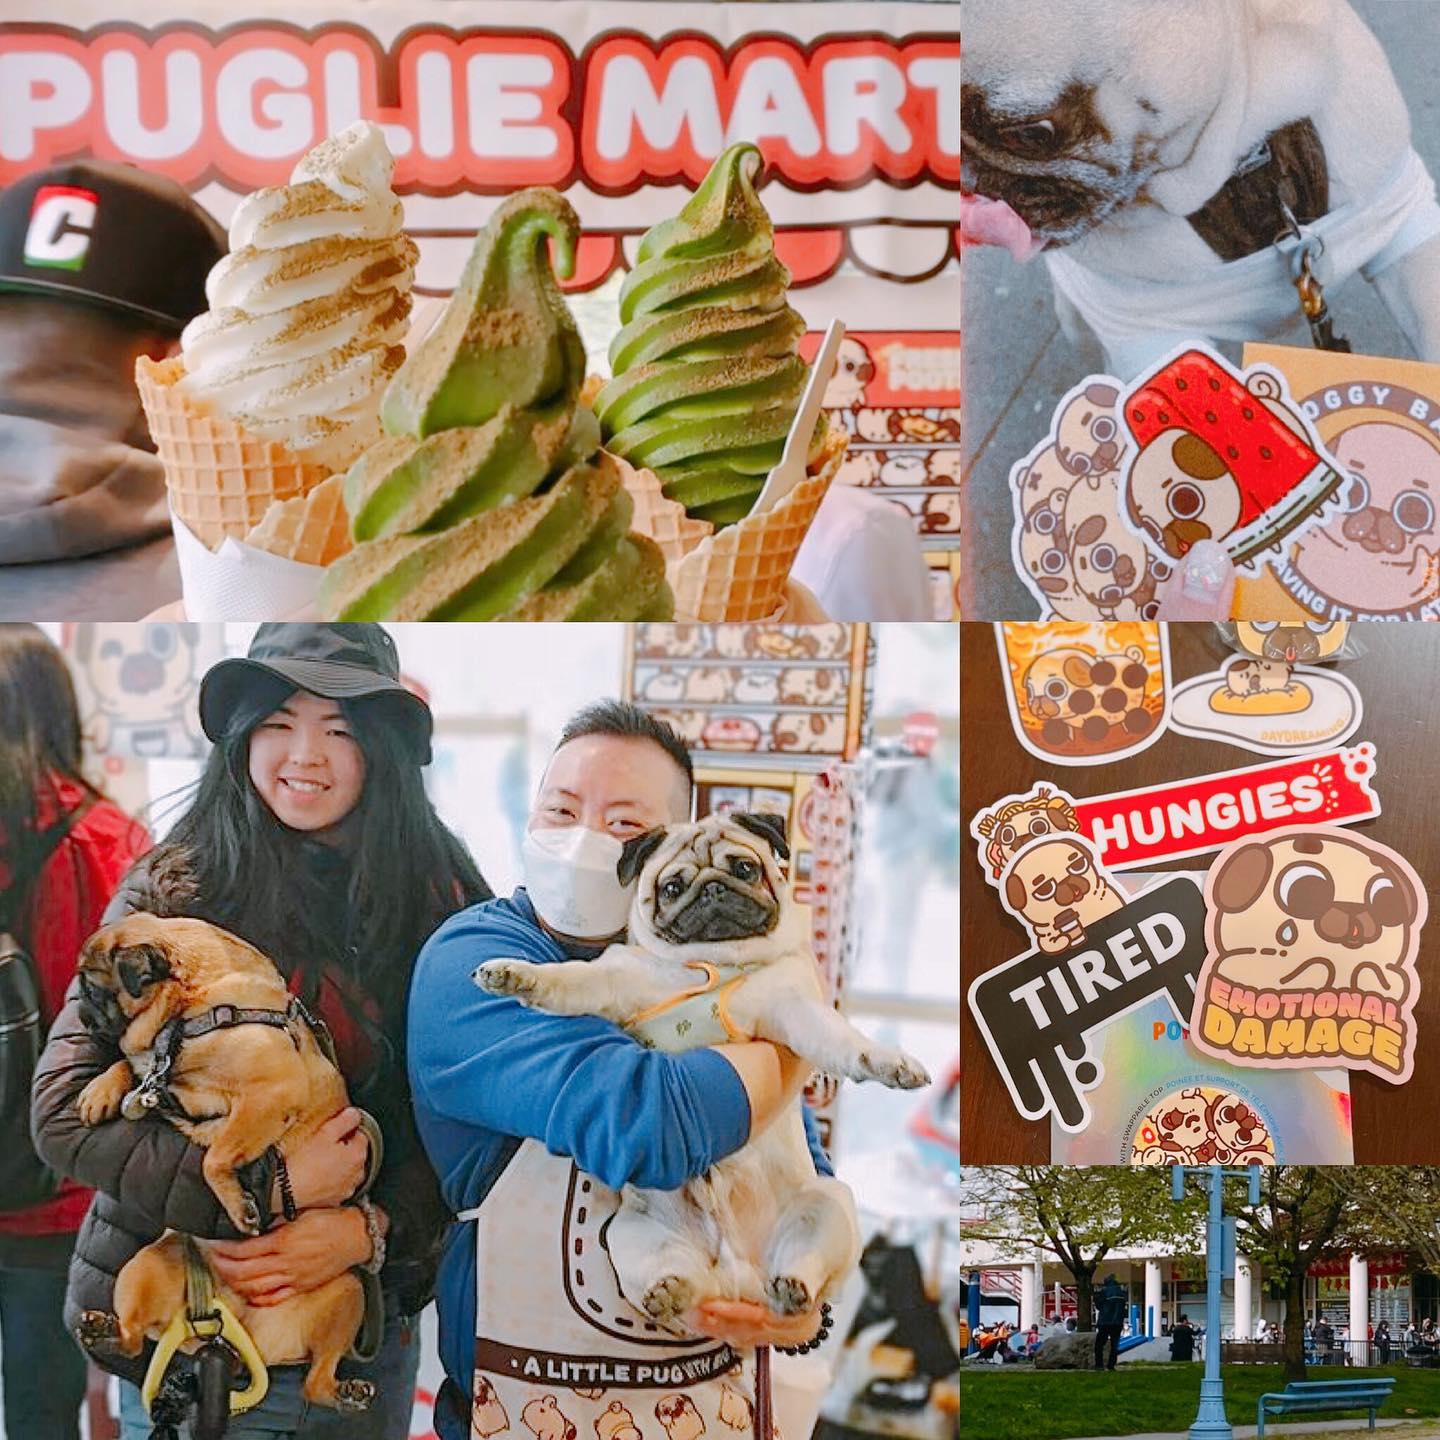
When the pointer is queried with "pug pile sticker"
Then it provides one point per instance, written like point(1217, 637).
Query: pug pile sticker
point(1085, 693)
point(1270, 706)
point(1095, 956)
point(1129, 479)
point(1311, 938)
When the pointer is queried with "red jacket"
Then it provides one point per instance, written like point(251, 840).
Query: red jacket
point(76, 884)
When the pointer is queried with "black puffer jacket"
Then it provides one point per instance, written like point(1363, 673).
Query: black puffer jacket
point(148, 1175)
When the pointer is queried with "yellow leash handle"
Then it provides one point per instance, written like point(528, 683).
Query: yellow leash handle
point(205, 1316)
point(181, 1329)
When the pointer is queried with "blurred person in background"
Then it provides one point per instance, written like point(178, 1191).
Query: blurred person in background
point(100, 263)
point(63, 851)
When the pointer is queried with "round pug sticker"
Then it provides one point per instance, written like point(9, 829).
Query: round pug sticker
point(1377, 556)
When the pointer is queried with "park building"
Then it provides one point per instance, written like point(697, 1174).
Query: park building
point(1352, 1293)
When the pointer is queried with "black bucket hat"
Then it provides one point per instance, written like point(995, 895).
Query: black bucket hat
point(340, 662)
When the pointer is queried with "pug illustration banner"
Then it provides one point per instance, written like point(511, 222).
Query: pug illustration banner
point(1166, 250)
point(1292, 980)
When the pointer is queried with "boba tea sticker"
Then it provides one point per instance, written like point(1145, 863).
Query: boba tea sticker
point(1082, 693)
point(1311, 938)
point(1270, 706)
point(1096, 956)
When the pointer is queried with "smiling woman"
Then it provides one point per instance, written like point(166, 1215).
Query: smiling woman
point(305, 763)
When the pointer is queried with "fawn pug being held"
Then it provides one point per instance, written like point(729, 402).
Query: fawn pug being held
point(717, 953)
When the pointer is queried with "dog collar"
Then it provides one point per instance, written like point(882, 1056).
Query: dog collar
point(1247, 214)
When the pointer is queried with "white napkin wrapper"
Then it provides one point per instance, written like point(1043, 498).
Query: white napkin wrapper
point(239, 582)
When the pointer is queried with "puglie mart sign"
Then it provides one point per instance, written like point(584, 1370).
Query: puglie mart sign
point(620, 106)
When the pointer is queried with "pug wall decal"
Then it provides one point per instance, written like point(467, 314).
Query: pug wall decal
point(1311, 939)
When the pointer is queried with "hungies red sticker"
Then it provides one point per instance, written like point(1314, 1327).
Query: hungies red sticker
point(1192, 817)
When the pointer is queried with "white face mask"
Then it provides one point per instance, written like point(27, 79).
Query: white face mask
point(571, 881)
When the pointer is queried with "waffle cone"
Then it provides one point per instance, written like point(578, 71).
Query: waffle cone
point(663, 521)
point(739, 573)
point(313, 528)
point(221, 479)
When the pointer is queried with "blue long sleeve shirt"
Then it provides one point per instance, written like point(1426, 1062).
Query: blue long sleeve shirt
point(486, 1072)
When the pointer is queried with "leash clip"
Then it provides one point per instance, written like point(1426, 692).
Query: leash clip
point(1303, 248)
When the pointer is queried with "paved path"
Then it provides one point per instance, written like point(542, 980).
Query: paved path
point(1412, 1430)
point(1017, 363)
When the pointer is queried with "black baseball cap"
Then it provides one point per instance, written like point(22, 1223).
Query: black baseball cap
point(110, 235)
point(341, 662)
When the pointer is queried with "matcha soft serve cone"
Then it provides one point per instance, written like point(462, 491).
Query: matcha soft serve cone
point(707, 372)
point(489, 497)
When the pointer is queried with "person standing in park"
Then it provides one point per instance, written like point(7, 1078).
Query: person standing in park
point(1110, 1306)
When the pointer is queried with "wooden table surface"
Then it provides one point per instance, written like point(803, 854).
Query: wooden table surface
point(1398, 676)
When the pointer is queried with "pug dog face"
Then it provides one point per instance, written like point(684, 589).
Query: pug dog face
point(139, 673)
point(122, 970)
point(1058, 118)
point(1274, 640)
point(1256, 677)
point(1074, 111)
point(1072, 692)
point(1180, 490)
point(854, 370)
point(1015, 824)
point(677, 1413)
point(1314, 912)
point(1107, 558)
point(1043, 490)
point(1056, 887)
point(1382, 550)
point(1087, 434)
point(711, 890)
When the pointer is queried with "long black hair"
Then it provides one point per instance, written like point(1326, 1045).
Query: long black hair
point(366, 904)
point(40, 747)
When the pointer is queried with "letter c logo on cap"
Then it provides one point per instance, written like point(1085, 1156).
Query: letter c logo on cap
point(61, 221)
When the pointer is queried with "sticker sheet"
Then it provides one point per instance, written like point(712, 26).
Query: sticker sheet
point(1377, 556)
point(1085, 693)
point(1129, 478)
point(1311, 938)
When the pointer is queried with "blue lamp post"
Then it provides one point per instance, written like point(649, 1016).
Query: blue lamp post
point(1210, 1422)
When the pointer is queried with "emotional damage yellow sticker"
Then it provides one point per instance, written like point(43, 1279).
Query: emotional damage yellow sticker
point(1312, 935)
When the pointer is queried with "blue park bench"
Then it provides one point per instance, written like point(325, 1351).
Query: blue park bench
point(1300, 1395)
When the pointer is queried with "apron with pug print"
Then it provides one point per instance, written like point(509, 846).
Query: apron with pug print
point(560, 1354)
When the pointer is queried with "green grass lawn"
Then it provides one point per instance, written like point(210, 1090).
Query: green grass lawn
point(1018, 1403)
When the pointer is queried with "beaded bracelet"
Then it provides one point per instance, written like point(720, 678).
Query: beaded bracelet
point(826, 1322)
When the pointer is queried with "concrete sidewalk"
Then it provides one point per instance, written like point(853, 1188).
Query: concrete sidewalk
point(1018, 364)
point(1410, 1430)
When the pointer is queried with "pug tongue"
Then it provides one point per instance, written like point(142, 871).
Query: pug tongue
point(993, 222)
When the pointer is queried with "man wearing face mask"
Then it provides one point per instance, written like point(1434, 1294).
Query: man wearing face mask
point(535, 1121)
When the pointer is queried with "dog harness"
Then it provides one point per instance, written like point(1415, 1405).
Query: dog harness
point(694, 1017)
point(154, 1092)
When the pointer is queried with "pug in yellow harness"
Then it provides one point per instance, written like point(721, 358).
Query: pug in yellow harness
point(717, 953)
